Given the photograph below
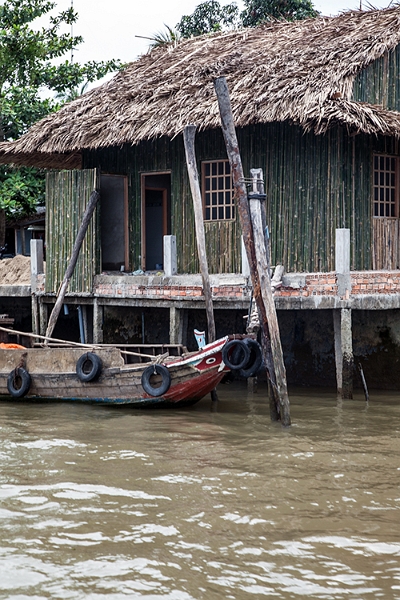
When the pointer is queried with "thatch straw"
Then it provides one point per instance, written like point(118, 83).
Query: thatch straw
point(302, 72)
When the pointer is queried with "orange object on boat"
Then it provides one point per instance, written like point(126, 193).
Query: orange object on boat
point(12, 347)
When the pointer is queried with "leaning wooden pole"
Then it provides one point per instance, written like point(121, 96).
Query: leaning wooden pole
point(260, 280)
point(93, 200)
point(189, 134)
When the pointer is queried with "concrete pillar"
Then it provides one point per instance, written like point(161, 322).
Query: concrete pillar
point(37, 263)
point(177, 325)
point(343, 352)
point(342, 262)
point(43, 316)
point(98, 317)
point(170, 262)
point(245, 262)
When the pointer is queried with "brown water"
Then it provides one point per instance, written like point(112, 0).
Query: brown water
point(210, 502)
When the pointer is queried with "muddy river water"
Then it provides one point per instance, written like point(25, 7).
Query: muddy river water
point(214, 501)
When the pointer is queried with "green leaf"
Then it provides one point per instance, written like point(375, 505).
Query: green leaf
point(32, 86)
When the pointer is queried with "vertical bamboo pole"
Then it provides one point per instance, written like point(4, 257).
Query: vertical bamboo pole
point(258, 270)
point(188, 137)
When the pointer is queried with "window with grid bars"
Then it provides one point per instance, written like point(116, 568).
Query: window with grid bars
point(217, 186)
point(386, 186)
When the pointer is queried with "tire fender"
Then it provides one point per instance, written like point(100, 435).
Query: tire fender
point(19, 375)
point(165, 380)
point(235, 354)
point(255, 360)
point(89, 367)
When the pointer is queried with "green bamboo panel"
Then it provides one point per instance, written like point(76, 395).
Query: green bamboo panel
point(379, 83)
point(314, 185)
point(67, 195)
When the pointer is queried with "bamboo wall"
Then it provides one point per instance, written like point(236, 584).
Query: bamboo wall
point(67, 195)
point(222, 238)
point(380, 82)
point(314, 185)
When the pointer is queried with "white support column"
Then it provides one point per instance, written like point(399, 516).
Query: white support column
point(342, 262)
point(175, 325)
point(37, 265)
point(36, 261)
point(43, 316)
point(342, 317)
point(170, 262)
point(98, 315)
point(343, 352)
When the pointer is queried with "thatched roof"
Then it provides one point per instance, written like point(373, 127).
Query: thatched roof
point(302, 72)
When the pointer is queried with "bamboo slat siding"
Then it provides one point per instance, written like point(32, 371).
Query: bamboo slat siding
point(222, 237)
point(386, 253)
point(314, 185)
point(379, 83)
point(67, 194)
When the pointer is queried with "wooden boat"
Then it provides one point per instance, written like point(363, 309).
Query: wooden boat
point(101, 374)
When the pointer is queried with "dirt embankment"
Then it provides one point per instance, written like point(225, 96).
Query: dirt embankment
point(15, 271)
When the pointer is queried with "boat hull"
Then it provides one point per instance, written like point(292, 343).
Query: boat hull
point(54, 378)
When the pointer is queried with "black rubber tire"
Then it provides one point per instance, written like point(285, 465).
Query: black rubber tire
point(89, 367)
point(165, 380)
point(235, 354)
point(25, 379)
point(255, 360)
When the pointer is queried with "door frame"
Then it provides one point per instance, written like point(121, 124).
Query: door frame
point(126, 216)
point(164, 190)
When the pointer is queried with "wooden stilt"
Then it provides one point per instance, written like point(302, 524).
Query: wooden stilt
point(258, 269)
point(364, 383)
point(188, 137)
point(94, 198)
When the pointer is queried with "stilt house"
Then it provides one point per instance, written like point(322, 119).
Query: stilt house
point(316, 105)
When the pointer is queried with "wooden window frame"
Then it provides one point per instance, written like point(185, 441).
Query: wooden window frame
point(386, 186)
point(218, 199)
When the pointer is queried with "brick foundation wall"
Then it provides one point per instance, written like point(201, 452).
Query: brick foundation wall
point(169, 292)
point(309, 284)
point(362, 282)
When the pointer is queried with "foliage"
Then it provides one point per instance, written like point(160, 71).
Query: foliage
point(208, 17)
point(168, 36)
point(34, 75)
point(22, 190)
point(259, 11)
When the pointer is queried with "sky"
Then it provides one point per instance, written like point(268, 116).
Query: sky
point(110, 27)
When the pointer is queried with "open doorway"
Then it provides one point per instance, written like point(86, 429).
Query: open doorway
point(114, 222)
point(156, 219)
